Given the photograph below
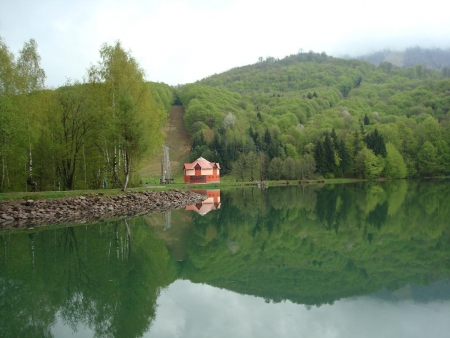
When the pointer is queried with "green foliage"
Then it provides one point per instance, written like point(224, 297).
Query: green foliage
point(304, 244)
point(292, 102)
point(314, 245)
point(275, 169)
point(375, 142)
point(136, 116)
point(428, 159)
point(305, 167)
point(394, 165)
point(106, 276)
point(367, 164)
point(274, 109)
point(82, 134)
point(163, 94)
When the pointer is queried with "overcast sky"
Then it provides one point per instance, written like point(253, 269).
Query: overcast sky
point(181, 41)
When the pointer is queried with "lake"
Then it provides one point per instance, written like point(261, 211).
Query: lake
point(355, 260)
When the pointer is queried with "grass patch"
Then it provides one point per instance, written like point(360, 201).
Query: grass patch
point(227, 181)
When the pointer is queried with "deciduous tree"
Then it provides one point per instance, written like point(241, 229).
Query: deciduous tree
point(136, 116)
point(78, 116)
point(9, 122)
point(428, 159)
point(394, 165)
point(367, 165)
point(30, 79)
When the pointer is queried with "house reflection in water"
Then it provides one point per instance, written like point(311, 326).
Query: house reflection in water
point(211, 203)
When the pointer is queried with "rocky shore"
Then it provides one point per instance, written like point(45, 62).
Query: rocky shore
point(90, 208)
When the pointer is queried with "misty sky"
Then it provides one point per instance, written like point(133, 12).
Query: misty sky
point(181, 41)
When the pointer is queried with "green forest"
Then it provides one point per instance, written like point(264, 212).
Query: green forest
point(313, 115)
point(84, 135)
point(305, 116)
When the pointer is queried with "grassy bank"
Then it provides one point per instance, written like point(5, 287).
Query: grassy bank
point(225, 182)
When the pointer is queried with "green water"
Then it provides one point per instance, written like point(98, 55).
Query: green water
point(360, 260)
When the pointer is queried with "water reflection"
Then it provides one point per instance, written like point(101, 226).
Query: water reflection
point(193, 314)
point(211, 203)
point(308, 245)
point(103, 277)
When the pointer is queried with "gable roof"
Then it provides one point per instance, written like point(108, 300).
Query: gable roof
point(203, 208)
point(203, 163)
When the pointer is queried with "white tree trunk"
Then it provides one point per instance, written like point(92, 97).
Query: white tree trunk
point(3, 173)
point(127, 170)
point(85, 174)
point(30, 171)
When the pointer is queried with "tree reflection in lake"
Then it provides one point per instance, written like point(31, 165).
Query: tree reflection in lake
point(106, 277)
point(304, 244)
point(314, 245)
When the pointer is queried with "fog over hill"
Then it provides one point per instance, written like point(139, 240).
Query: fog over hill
point(429, 58)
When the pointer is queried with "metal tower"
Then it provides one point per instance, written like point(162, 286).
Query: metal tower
point(166, 173)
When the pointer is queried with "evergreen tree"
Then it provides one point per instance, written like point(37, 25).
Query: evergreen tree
point(334, 137)
point(330, 162)
point(344, 155)
point(267, 139)
point(320, 157)
point(366, 120)
point(357, 143)
point(198, 139)
point(375, 142)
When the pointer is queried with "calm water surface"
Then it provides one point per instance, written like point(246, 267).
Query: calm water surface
point(361, 260)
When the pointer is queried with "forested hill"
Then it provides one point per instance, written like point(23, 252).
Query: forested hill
point(310, 114)
point(436, 58)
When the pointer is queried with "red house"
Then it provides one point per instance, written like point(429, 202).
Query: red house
point(201, 171)
point(211, 203)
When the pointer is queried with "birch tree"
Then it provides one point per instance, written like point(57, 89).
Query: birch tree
point(137, 118)
point(30, 78)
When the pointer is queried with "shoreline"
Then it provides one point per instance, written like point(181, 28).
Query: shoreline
point(29, 214)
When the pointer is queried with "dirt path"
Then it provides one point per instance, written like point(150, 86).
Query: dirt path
point(178, 141)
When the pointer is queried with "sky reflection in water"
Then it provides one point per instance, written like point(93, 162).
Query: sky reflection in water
point(199, 310)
